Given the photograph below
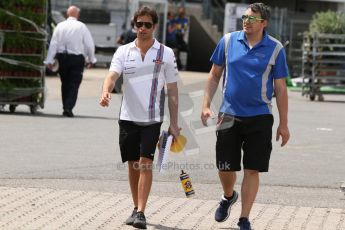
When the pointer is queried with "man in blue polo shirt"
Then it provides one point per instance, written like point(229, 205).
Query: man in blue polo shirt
point(254, 65)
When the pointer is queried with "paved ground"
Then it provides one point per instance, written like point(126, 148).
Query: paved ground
point(38, 208)
point(57, 172)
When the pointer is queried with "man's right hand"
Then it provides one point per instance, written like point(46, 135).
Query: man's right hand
point(205, 114)
point(174, 130)
point(105, 99)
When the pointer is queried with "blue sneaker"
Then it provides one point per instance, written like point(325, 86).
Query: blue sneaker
point(224, 208)
point(244, 224)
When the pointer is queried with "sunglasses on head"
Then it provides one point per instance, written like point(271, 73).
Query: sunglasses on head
point(148, 25)
point(251, 19)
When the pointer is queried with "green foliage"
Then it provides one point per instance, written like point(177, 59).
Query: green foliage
point(23, 48)
point(329, 22)
point(32, 10)
point(6, 85)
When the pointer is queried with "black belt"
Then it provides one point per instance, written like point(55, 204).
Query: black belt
point(67, 54)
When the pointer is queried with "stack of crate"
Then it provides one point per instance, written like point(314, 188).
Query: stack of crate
point(22, 51)
point(323, 64)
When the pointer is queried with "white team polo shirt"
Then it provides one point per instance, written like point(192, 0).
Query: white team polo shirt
point(144, 81)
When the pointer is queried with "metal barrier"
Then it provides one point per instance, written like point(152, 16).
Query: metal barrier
point(214, 12)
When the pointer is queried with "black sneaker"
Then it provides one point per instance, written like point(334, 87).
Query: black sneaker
point(244, 224)
point(140, 221)
point(224, 208)
point(130, 219)
point(68, 113)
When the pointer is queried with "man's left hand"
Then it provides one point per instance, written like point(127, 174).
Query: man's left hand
point(283, 131)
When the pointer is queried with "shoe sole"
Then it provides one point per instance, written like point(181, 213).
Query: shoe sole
point(233, 201)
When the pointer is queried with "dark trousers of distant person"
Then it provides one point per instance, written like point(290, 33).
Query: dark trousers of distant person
point(182, 46)
point(71, 68)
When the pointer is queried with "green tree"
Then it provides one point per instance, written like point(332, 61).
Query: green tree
point(329, 22)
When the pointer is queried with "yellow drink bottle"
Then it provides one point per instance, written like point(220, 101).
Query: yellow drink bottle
point(186, 184)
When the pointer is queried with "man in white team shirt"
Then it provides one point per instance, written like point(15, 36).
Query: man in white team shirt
point(73, 46)
point(147, 66)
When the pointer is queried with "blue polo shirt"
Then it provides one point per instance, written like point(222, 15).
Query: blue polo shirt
point(181, 25)
point(249, 73)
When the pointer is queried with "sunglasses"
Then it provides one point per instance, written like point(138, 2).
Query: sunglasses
point(251, 19)
point(148, 25)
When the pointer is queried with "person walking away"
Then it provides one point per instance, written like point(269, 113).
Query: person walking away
point(147, 66)
point(254, 65)
point(73, 45)
point(182, 25)
point(171, 40)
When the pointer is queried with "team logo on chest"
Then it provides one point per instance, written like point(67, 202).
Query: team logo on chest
point(158, 62)
point(260, 55)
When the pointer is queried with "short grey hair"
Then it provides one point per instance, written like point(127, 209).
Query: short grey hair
point(261, 8)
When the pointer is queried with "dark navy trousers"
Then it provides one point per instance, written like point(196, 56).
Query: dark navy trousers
point(71, 68)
